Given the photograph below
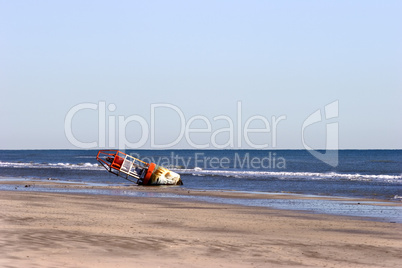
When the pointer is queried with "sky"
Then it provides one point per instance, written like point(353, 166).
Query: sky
point(201, 74)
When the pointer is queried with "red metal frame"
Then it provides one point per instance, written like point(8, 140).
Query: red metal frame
point(115, 166)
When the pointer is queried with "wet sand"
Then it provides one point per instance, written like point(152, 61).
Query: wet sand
point(41, 229)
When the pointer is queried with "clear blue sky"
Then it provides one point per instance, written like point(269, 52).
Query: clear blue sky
point(277, 58)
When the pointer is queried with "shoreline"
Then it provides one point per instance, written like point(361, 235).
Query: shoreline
point(370, 209)
point(42, 229)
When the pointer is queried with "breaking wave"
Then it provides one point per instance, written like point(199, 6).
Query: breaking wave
point(87, 165)
point(292, 175)
point(242, 174)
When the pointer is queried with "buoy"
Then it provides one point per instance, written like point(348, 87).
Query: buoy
point(131, 168)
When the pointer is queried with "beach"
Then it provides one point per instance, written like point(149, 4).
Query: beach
point(44, 229)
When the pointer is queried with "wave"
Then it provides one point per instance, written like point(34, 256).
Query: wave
point(291, 175)
point(246, 174)
point(86, 166)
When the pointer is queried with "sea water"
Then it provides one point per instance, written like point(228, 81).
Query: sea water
point(375, 174)
point(360, 173)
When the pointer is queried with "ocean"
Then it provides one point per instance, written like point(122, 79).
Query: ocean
point(360, 173)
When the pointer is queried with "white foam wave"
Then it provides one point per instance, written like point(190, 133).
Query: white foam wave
point(86, 165)
point(228, 173)
point(292, 175)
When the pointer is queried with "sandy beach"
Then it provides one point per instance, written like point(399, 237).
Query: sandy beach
point(41, 229)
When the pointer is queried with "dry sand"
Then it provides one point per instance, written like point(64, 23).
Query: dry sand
point(40, 229)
